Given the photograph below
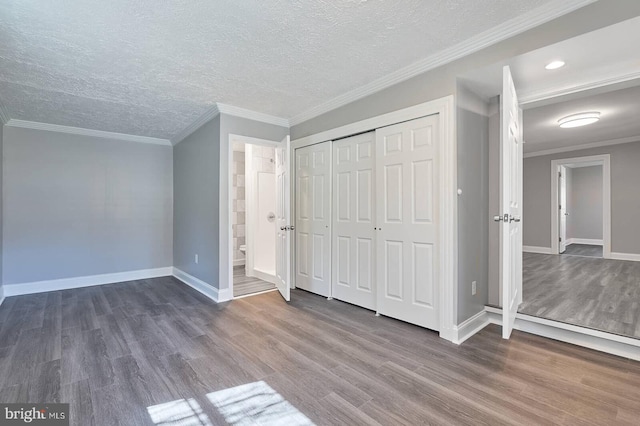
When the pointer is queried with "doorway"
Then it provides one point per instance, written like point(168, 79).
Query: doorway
point(581, 206)
point(258, 189)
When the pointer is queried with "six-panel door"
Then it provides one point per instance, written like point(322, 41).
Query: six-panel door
point(313, 219)
point(353, 247)
point(408, 221)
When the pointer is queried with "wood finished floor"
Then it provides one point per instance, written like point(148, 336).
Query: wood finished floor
point(603, 294)
point(583, 250)
point(114, 350)
point(244, 285)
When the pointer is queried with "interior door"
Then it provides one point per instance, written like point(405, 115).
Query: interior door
point(313, 218)
point(353, 249)
point(562, 211)
point(407, 187)
point(510, 203)
point(283, 223)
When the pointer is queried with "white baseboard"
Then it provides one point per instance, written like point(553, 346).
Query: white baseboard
point(470, 327)
point(86, 281)
point(270, 278)
point(1, 294)
point(534, 249)
point(625, 256)
point(614, 344)
point(239, 262)
point(584, 241)
point(201, 286)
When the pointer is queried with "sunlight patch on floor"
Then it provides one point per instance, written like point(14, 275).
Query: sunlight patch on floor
point(256, 404)
point(181, 412)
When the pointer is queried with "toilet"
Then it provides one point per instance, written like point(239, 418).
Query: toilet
point(243, 248)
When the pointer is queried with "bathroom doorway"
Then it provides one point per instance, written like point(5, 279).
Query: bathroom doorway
point(253, 218)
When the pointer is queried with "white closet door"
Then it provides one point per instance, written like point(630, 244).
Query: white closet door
point(407, 218)
point(353, 248)
point(313, 218)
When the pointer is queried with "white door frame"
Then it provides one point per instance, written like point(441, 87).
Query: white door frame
point(448, 203)
point(226, 234)
point(605, 161)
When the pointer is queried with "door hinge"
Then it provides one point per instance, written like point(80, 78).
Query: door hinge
point(560, 239)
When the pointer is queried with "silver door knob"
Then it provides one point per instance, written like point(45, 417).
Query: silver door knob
point(514, 219)
point(499, 218)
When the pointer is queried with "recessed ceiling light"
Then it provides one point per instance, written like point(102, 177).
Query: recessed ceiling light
point(577, 120)
point(555, 65)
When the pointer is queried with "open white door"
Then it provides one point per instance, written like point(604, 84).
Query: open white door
point(562, 210)
point(510, 204)
point(283, 225)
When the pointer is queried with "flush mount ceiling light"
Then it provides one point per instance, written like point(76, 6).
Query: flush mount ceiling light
point(555, 65)
point(577, 120)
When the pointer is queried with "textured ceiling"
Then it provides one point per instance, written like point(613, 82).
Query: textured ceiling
point(151, 68)
point(619, 110)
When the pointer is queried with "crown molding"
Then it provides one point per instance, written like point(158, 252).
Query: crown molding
point(4, 114)
point(581, 147)
point(603, 81)
point(86, 132)
point(520, 24)
point(252, 115)
point(200, 121)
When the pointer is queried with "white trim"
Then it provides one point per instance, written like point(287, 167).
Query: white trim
point(508, 29)
point(86, 132)
point(1, 294)
point(547, 93)
point(395, 117)
point(625, 256)
point(583, 146)
point(210, 113)
point(448, 234)
point(226, 205)
point(254, 294)
point(470, 327)
point(86, 281)
point(615, 344)
point(605, 160)
point(257, 273)
point(587, 241)
point(252, 115)
point(4, 114)
point(208, 290)
point(534, 249)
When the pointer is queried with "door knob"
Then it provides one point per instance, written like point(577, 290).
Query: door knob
point(499, 218)
point(514, 219)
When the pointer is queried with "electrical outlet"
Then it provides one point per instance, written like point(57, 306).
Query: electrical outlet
point(474, 288)
point(196, 258)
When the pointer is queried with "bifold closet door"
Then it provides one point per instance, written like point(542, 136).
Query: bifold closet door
point(407, 221)
point(313, 219)
point(353, 247)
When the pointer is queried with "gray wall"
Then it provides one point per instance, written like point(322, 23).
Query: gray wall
point(585, 208)
point(1, 205)
point(494, 202)
point(625, 197)
point(196, 172)
point(473, 205)
point(77, 206)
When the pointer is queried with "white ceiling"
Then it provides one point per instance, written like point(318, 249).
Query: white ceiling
point(151, 68)
point(619, 119)
point(608, 54)
point(602, 73)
